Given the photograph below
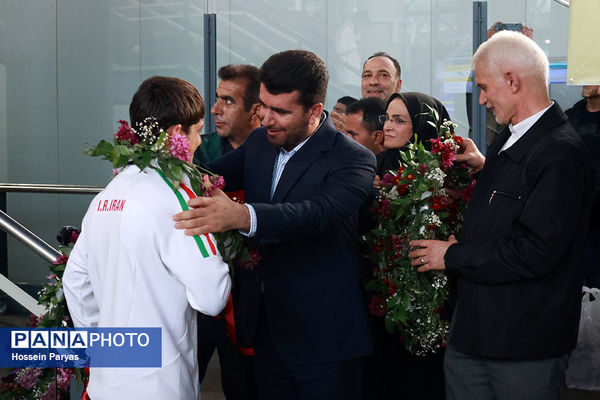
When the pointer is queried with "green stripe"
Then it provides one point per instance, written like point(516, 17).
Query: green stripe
point(184, 206)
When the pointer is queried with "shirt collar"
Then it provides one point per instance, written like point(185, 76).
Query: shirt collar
point(518, 130)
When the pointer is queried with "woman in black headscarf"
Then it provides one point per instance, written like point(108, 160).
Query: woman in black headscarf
point(392, 372)
point(407, 114)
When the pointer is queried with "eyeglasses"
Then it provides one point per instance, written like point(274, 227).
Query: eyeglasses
point(396, 120)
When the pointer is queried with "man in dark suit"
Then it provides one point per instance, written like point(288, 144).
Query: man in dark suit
point(302, 307)
point(518, 261)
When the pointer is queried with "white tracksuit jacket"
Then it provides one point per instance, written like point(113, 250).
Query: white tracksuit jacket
point(131, 268)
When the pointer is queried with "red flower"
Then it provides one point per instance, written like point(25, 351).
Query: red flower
point(377, 306)
point(439, 203)
point(467, 192)
point(61, 260)
point(252, 261)
point(402, 189)
point(74, 236)
point(393, 288)
point(125, 133)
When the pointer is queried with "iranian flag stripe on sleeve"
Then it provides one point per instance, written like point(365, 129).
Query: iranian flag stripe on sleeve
point(185, 207)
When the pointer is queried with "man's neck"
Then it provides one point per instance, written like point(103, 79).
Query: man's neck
point(592, 104)
point(528, 108)
point(236, 140)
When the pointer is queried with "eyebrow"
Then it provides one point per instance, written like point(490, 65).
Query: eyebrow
point(276, 109)
point(225, 97)
point(378, 71)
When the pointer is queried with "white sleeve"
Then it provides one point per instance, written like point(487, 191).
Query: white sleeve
point(82, 304)
point(198, 265)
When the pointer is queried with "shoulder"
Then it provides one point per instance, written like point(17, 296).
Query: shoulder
point(576, 110)
point(147, 191)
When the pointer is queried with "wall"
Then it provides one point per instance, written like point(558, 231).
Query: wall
point(68, 70)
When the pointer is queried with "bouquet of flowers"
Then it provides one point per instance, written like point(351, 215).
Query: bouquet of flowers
point(169, 154)
point(424, 199)
point(47, 383)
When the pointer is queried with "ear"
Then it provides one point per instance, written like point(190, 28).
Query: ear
point(398, 85)
point(175, 130)
point(314, 113)
point(377, 137)
point(514, 82)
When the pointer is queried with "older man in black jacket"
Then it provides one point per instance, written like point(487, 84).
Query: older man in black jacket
point(519, 258)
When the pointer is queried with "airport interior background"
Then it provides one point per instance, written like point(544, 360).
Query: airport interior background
point(68, 70)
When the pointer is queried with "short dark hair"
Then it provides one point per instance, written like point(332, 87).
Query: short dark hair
point(346, 100)
point(392, 59)
point(250, 74)
point(299, 70)
point(169, 101)
point(372, 108)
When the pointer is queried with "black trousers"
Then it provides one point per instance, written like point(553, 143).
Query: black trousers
point(277, 379)
point(237, 370)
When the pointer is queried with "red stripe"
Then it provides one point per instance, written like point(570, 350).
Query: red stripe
point(192, 195)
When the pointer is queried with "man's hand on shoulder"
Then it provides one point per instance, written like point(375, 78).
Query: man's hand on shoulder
point(217, 213)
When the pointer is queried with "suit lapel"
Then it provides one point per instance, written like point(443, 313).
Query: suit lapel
point(262, 170)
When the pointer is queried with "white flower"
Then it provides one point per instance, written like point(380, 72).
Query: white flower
point(436, 175)
point(392, 194)
point(425, 195)
point(433, 219)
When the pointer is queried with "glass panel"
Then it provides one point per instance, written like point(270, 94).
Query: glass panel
point(28, 59)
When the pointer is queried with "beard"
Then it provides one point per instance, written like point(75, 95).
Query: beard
point(292, 136)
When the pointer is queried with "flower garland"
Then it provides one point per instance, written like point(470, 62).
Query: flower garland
point(424, 199)
point(48, 383)
point(153, 147)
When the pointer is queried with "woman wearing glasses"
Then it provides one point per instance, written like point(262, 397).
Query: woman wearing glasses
point(414, 377)
point(406, 115)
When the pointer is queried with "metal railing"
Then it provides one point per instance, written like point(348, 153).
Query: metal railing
point(36, 244)
point(28, 238)
point(49, 188)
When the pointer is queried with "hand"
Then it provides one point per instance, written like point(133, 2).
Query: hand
point(492, 30)
point(377, 182)
point(429, 254)
point(217, 213)
point(339, 121)
point(527, 31)
point(471, 155)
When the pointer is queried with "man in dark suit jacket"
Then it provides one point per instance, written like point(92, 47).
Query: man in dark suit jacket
point(519, 258)
point(302, 307)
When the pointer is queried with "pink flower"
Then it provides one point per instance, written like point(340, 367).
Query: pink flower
point(51, 393)
point(447, 159)
point(29, 378)
point(125, 133)
point(217, 182)
point(179, 146)
point(63, 377)
point(61, 260)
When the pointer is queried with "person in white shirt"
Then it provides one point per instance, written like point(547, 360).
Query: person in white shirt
point(131, 268)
